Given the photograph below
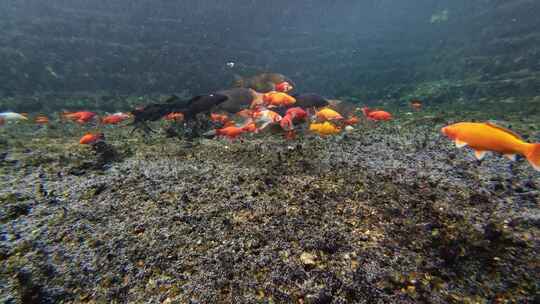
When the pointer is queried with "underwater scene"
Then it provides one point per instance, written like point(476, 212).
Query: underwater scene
point(249, 151)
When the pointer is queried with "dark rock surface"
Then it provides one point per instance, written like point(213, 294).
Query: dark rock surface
point(391, 213)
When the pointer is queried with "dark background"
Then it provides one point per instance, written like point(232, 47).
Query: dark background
point(367, 48)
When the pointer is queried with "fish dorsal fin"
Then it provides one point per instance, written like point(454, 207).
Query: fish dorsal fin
point(508, 131)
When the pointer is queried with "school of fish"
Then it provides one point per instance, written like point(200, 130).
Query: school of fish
point(290, 114)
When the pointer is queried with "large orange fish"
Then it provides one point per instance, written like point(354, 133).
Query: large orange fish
point(483, 137)
point(278, 99)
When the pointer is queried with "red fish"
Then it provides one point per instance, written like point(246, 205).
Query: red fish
point(376, 115)
point(91, 138)
point(80, 117)
point(297, 113)
point(114, 119)
point(283, 87)
point(286, 122)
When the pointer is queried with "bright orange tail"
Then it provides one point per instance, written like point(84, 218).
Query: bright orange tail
point(533, 156)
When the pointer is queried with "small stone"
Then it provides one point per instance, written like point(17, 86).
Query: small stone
point(167, 301)
point(308, 259)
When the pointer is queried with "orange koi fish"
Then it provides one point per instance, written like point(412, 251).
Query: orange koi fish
point(483, 137)
point(230, 132)
point(91, 138)
point(278, 99)
point(115, 118)
point(266, 117)
point(376, 115)
point(80, 117)
point(328, 114)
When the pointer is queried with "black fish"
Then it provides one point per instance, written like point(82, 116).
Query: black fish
point(238, 99)
point(190, 109)
point(306, 101)
point(200, 104)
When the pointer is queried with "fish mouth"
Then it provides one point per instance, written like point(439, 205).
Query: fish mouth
point(444, 130)
point(219, 97)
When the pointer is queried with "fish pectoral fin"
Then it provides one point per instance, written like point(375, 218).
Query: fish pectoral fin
point(511, 157)
point(480, 154)
point(460, 144)
point(264, 125)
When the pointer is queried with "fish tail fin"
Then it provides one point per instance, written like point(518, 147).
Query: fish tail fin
point(64, 115)
point(258, 98)
point(533, 155)
point(238, 81)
